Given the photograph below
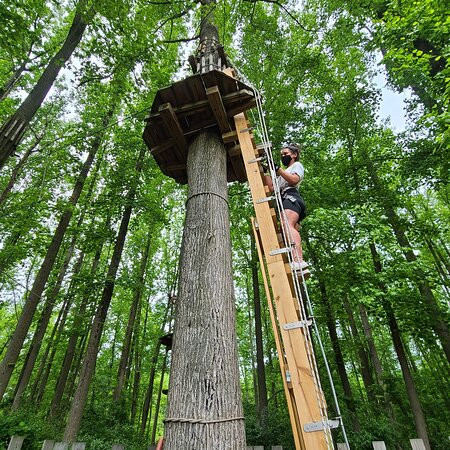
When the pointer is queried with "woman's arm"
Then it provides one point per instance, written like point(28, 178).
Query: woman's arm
point(291, 178)
point(269, 183)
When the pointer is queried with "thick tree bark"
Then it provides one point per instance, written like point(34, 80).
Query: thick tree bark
point(88, 368)
point(260, 367)
point(43, 324)
point(72, 343)
point(12, 131)
point(204, 380)
point(125, 355)
point(416, 408)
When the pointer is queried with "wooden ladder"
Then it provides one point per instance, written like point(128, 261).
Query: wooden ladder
point(304, 397)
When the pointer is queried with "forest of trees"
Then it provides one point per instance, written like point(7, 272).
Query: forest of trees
point(90, 229)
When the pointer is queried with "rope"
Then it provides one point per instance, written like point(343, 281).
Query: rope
point(202, 421)
point(288, 239)
point(207, 193)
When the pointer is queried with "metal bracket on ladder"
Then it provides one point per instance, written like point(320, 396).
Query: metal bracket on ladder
point(265, 199)
point(279, 251)
point(298, 324)
point(318, 426)
point(256, 159)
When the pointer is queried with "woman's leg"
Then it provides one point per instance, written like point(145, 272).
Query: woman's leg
point(291, 222)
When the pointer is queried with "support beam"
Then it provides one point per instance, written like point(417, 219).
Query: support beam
point(215, 101)
point(173, 126)
point(163, 147)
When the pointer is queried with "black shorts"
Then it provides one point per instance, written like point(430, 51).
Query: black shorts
point(298, 206)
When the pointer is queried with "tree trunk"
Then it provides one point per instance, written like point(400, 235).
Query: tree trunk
point(149, 393)
point(43, 324)
point(363, 358)
point(204, 380)
point(12, 131)
point(88, 368)
point(158, 399)
point(125, 356)
point(416, 408)
point(6, 88)
point(75, 369)
point(436, 315)
point(260, 367)
point(15, 346)
point(137, 365)
point(339, 358)
point(252, 347)
point(51, 344)
point(16, 171)
point(72, 343)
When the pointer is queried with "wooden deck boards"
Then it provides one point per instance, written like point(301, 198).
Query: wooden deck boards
point(191, 112)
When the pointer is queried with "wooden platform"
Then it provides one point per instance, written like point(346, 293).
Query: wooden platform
point(190, 106)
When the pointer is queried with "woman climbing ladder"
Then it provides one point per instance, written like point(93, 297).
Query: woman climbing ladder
point(293, 203)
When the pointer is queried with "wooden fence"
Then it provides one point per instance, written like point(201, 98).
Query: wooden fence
point(16, 444)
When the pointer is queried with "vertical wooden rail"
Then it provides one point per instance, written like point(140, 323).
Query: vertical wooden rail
point(302, 389)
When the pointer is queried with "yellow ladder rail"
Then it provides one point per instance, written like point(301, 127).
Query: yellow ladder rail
point(301, 391)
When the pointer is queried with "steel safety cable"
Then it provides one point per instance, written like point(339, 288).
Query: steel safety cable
point(286, 234)
point(288, 240)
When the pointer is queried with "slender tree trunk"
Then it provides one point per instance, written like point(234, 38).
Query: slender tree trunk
point(204, 380)
point(23, 325)
point(55, 338)
point(75, 369)
point(363, 358)
point(88, 368)
point(158, 399)
point(438, 322)
point(72, 343)
point(137, 365)
point(16, 171)
point(252, 347)
point(260, 367)
point(416, 408)
point(339, 358)
point(15, 346)
point(125, 356)
point(43, 324)
point(149, 393)
point(7, 87)
point(12, 131)
point(56, 330)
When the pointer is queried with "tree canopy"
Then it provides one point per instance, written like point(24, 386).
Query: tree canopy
point(90, 229)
